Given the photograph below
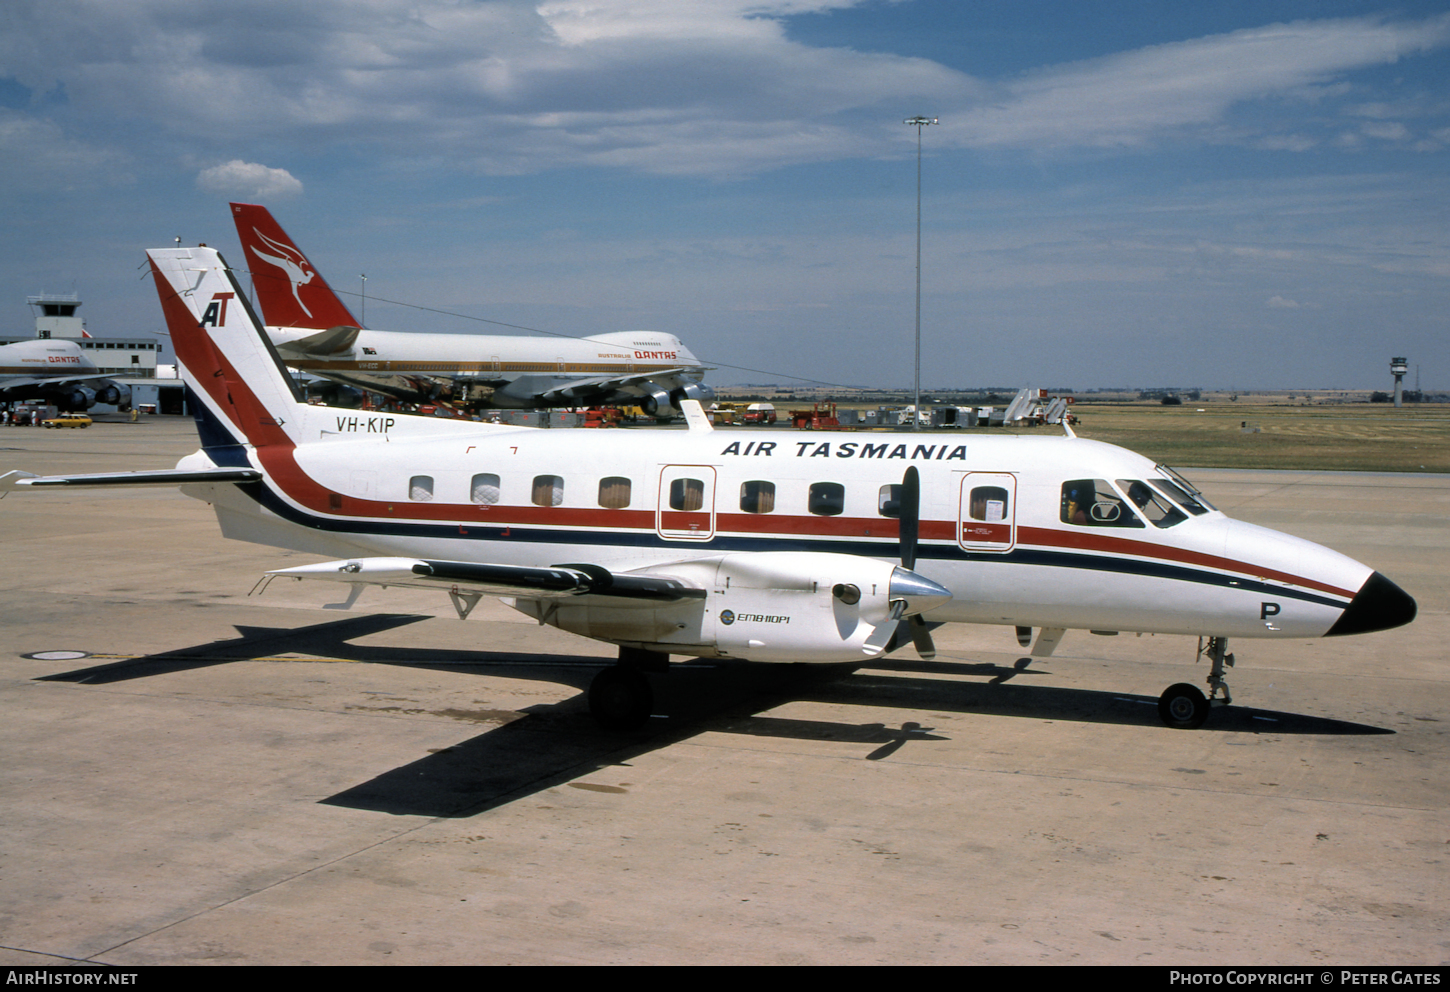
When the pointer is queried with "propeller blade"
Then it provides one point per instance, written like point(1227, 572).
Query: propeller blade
point(910, 516)
point(921, 637)
point(887, 636)
point(910, 528)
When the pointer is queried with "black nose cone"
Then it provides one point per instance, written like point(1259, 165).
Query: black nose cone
point(1379, 605)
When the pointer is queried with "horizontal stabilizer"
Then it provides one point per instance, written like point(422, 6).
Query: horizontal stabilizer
point(158, 477)
point(333, 341)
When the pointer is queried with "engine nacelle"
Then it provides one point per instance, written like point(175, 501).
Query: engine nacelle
point(117, 394)
point(814, 607)
point(656, 402)
point(692, 391)
point(335, 394)
point(80, 398)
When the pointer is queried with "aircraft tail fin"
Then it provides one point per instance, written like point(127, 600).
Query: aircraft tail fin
point(290, 291)
point(238, 383)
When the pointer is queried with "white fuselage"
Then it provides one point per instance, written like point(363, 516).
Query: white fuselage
point(995, 523)
point(48, 358)
point(489, 358)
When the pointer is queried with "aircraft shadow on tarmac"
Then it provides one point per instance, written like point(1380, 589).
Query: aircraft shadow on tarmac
point(557, 744)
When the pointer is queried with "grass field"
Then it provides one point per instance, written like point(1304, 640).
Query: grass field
point(1358, 437)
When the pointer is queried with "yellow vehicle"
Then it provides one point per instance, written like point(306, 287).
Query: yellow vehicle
point(69, 420)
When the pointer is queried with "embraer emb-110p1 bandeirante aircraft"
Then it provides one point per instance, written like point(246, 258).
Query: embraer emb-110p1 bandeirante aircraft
point(787, 548)
point(315, 333)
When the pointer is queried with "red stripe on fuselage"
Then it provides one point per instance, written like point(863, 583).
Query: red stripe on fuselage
point(1107, 544)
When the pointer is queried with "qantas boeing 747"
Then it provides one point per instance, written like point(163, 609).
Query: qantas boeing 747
point(315, 333)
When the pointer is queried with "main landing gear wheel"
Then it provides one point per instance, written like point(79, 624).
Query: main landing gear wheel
point(620, 698)
point(1183, 707)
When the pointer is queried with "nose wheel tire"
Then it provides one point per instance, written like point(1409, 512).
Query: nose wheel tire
point(620, 698)
point(1183, 707)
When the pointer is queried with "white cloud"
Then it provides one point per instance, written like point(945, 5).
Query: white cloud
point(503, 85)
point(1130, 98)
point(36, 154)
point(1388, 130)
point(708, 87)
point(248, 179)
point(1280, 303)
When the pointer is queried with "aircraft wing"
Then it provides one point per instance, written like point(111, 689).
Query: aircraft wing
point(570, 392)
point(159, 477)
point(22, 382)
point(553, 582)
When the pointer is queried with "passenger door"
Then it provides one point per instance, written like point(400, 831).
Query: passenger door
point(685, 510)
point(987, 519)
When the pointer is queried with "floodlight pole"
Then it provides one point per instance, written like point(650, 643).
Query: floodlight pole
point(919, 123)
point(362, 317)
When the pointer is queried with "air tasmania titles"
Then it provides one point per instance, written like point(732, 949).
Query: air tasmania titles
point(854, 449)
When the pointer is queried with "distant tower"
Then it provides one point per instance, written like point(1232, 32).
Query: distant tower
point(55, 315)
point(1399, 368)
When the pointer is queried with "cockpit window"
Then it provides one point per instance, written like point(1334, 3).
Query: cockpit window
point(1094, 503)
point(1159, 511)
point(1181, 491)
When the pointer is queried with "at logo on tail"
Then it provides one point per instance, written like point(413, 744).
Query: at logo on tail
point(216, 310)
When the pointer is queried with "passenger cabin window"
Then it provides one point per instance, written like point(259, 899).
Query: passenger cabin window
point(420, 488)
point(548, 490)
point(826, 499)
point(1159, 511)
point(757, 496)
point(989, 504)
point(687, 494)
point(484, 489)
point(614, 492)
point(888, 503)
point(1094, 503)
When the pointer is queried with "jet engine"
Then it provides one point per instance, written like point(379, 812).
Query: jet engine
point(117, 394)
point(814, 607)
point(656, 402)
point(79, 398)
point(335, 394)
point(692, 391)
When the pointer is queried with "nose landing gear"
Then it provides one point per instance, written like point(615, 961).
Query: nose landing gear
point(1183, 706)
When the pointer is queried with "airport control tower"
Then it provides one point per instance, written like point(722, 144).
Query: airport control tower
point(1399, 367)
point(55, 316)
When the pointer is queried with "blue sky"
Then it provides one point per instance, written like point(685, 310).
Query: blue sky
point(1223, 194)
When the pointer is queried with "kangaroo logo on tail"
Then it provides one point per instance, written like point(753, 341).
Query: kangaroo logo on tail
point(299, 271)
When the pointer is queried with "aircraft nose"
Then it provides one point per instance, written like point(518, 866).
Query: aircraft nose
point(1379, 605)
